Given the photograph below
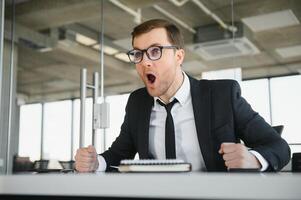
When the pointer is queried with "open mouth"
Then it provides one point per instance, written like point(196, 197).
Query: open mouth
point(151, 78)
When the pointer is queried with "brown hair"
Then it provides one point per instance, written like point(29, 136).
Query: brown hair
point(173, 33)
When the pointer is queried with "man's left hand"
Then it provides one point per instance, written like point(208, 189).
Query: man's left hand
point(238, 156)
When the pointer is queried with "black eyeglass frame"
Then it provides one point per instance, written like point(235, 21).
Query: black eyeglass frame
point(145, 50)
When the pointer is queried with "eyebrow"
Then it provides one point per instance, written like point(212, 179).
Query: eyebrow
point(154, 44)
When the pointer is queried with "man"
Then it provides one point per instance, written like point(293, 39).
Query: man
point(177, 116)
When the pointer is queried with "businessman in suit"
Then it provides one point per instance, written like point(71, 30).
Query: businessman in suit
point(177, 116)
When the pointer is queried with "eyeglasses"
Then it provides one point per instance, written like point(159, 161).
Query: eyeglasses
point(153, 53)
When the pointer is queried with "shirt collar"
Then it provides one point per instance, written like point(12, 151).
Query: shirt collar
point(182, 94)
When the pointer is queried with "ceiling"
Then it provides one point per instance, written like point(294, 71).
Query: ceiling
point(50, 54)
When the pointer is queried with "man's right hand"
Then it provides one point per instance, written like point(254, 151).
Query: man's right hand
point(86, 159)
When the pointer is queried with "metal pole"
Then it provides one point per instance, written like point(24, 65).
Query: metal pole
point(270, 101)
point(42, 131)
point(11, 82)
point(95, 97)
point(102, 52)
point(102, 67)
point(104, 134)
point(72, 129)
point(2, 5)
point(83, 86)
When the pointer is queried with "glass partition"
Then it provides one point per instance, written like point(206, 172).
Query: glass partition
point(54, 39)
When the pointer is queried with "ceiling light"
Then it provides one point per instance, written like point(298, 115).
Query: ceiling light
point(84, 39)
point(122, 56)
point(107, 50)
point(96, 46)
point(271, 20)
point(46, 49)
point(288, 52)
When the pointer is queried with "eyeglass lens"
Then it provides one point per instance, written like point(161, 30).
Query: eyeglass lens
point(153, 53)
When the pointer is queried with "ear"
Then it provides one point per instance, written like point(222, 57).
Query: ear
point(180, 54)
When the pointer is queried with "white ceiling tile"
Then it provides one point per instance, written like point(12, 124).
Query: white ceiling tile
point(271, 20)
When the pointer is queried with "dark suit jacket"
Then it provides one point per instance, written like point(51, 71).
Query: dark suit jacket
point(221, 115)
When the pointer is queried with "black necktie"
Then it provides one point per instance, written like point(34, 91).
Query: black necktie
point(170, 144)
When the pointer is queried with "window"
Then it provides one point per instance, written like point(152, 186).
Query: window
point(256, 92)
point(30, 131)
point(117, 113)
point(277, 100)
point(57, 130)
point(286, 108)
point(285, 104)
point(234, 74)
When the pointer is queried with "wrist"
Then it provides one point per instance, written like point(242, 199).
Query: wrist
point(257, 163)
point(263, 162)
point(96, 165)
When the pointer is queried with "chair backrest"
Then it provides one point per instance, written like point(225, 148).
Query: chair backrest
point(41, 165)
point(22, 164)
point(68, 164)
point(278, 129)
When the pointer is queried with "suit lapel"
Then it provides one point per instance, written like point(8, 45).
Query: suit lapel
point(201, 102)
point(144, 110)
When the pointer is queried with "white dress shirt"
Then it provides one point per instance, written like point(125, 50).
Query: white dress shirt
point(187, 145)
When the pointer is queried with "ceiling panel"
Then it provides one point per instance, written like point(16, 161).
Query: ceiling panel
point(54, 74)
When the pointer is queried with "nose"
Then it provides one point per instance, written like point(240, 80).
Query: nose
point(145, 60)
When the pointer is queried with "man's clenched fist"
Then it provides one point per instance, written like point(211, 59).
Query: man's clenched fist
point(238, 156)
point(86, 159)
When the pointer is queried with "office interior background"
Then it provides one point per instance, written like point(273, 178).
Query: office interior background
point(47, 42)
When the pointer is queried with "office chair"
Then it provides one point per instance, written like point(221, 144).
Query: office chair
point(68, 164)
point(40, 165)
point(278, 129)
point(22, 164)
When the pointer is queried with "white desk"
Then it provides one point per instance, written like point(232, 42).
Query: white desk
point(183, 185)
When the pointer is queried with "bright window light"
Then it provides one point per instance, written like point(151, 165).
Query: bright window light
point(286, 109)
point(57, 130)
point(117, 112)
point(234, 74)
point(30, 131)
point(256, 92)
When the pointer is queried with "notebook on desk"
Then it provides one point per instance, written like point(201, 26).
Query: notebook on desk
point(169, 165)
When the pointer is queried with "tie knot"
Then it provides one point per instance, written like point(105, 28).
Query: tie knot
point(168, 106)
